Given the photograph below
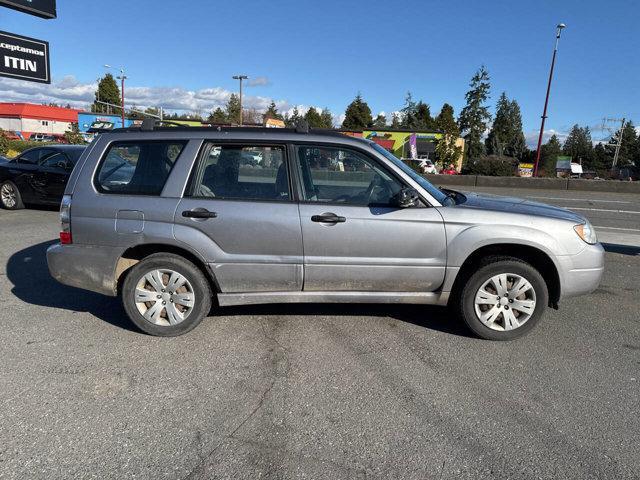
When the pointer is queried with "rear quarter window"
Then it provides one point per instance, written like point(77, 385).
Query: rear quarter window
point(137, 167)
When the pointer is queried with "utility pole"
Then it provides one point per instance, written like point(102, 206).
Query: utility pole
point(559, 27)
point(122, 78)
point(618, 144)
point(240, 77)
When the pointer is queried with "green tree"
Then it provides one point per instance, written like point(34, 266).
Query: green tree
point(313, 118)
point(446, 149)
point(293, 120)
point(233, 109)
point(326, 118)
point(73, 135)
point(408, 113)
point(628, 147)
point(424, 120)
point(4, 143)
point(380, 121)
point(549, 155)
point(272, 112)
point(357, 115)
point(579, 146)
point(395, 121)
point(475, 115)
point(505, 137)
point(108, 91)
point(602, 159)
point(217, 117)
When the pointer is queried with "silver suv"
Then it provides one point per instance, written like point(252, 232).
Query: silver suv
point(171, 218)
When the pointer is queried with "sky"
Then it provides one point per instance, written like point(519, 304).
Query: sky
point(182, 55)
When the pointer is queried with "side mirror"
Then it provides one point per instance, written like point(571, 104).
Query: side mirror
point(407, 197)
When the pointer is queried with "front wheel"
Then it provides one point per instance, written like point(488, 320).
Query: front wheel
point(166, 295)
point(503, 299)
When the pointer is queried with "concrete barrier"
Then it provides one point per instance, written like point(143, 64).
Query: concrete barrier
point(535, 183)
point(604, 186)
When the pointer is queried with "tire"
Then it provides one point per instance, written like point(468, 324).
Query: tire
point(10, 197)
point(168, 319)
point(499, 321)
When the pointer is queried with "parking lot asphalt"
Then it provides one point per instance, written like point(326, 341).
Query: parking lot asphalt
point(312, 391)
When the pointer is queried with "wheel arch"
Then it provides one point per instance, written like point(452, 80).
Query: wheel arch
point(135, 254)
point(534, 256)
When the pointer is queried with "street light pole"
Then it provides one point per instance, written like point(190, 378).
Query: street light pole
point(122, 78)
point(240, 77)
point(559, 27)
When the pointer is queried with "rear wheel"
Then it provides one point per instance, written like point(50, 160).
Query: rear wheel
point(166, 295)
point(10, 197)
point(503, 299)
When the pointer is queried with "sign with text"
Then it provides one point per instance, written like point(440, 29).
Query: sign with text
point(40, 8)
point(24, 58)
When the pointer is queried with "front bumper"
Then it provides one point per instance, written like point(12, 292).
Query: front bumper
point(83, 266)
point(581, 273)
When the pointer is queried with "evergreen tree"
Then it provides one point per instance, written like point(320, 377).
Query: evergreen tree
point(628, 147)
point(326, 118)
point(424, 120)
point(408, 113)
point(446, 149)
point(579, 146)
point(217, 117)
point(395, 121)
point(506, 137)
point(313, 118)
point(357, 115)
point(272, 112)
point(475, 116)
point(380, 121)
point(73, 135)
point(549, 156)
point(293, 120)
point(108, 91)
point(602, 160)
point(233, 109)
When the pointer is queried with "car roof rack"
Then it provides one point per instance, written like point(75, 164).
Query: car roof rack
point(152, 124)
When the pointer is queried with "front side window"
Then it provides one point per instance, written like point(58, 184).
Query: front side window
point(137, 168)
point(340, 175)
point(57, 160)
point(242, 172)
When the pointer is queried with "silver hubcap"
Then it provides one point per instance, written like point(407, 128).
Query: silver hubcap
point(164, 297)
point(8, 195)
point(505, 302)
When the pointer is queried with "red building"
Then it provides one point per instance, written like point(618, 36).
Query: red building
point(26, 119)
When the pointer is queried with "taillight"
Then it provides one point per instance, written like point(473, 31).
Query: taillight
point(65, 220)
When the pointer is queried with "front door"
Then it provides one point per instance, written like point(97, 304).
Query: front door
point(50, 179)
point(241, 217)
point(355, 239)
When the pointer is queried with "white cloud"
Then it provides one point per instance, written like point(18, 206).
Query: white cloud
point(258, 82)
point(80, 95)
point(532, 137)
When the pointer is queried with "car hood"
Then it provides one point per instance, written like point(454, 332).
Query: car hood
point(496, 203)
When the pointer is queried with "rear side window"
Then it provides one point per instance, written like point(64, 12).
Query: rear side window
point(242, 172)
point(137, 168)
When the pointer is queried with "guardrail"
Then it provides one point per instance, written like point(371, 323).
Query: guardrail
point(536, 183)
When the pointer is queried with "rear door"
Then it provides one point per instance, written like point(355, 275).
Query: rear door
point(355, 239)
point(240, 214)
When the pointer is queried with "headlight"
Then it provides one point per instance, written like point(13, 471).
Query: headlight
point(586, 232)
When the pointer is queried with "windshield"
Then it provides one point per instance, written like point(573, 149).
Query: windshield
point(419, 179)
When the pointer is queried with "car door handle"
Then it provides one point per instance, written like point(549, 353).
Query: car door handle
point(328, 218)
point(204, 213)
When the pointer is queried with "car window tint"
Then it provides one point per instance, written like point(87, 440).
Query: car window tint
point(57, 160)
point(137, 168)
point(31, 157)
point(344, 176)
point(242, 172)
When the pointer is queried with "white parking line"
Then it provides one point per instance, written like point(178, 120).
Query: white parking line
point(578, 199)
point(604, 210)
point(617, 228)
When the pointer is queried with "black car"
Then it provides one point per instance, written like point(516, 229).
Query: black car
point(37, 176)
